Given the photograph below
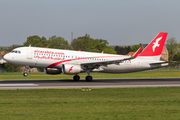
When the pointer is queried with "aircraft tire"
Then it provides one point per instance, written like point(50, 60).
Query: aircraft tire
point(76, 78)
point(25, 74)
point(89, 78)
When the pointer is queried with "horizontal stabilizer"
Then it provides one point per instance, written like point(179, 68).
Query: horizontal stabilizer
point(157, 62)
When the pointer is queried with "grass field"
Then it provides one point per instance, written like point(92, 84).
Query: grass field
point(99, 104)
point(144, 74)
point(112, 103)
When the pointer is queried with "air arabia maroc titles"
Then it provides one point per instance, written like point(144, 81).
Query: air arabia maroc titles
point(47, 55)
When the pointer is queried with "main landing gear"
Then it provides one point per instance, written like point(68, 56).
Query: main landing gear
point(88, 78)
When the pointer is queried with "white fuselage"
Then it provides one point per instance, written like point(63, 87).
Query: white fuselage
point(54, 58)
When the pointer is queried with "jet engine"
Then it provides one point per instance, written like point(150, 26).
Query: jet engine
point(71, 69)
point(52, 71)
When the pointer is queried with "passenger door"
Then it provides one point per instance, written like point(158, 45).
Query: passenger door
point(29, 53)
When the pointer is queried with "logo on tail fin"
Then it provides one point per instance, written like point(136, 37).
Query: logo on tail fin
point(156, 43)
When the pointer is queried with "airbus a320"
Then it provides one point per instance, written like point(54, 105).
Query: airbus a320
point(57, 61)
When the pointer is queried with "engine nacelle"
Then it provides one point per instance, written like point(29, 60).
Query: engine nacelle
point(71, 69)
point(52, 71)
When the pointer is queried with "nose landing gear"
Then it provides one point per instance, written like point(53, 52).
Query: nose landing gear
point(25, 74)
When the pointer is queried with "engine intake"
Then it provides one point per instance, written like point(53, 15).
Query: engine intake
point(52, 71)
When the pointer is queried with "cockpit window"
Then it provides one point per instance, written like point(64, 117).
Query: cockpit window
point(15, 51)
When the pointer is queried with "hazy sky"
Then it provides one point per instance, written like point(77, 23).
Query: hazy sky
point(121, 22)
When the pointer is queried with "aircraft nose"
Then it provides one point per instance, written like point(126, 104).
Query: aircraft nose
point(6, 57)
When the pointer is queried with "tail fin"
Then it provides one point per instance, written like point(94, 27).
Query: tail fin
point(155, 47)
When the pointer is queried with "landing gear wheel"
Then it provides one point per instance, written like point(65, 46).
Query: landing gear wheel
point(76, 78)
point(89, 78)
point(25, 74)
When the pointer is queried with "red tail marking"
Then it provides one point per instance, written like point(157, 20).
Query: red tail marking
point(155, 47)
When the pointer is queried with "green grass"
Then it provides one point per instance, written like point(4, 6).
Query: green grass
point(110, 103)
point(144, 74)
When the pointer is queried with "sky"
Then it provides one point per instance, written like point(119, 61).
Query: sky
point(120, 22)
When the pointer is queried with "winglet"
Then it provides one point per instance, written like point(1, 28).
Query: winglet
point(137, 52)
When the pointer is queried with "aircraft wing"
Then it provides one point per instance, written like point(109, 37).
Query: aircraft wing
point(95, 65)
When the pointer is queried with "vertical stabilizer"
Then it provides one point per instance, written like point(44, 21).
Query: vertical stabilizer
point(155, 47)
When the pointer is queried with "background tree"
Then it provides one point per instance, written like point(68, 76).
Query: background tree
point(35, 41)
point(122, 50)
point(95, 50)
point(177, 56)
point(135, 48)
point(119, 50)
point(11, 67)
point(78, 44)
point(52, 37)
point(43, 42)
point(109, 50)
point(171, 45)
point(85, 43)
point(10, 48)
point(58, 43)
point(99, 43)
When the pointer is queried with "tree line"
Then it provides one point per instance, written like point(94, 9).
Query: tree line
point(86, 43)
point(83, 43)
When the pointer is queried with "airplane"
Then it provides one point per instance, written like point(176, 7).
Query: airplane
point(57, 61)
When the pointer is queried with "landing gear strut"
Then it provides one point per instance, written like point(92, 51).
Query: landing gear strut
point(25, 74)
point(76, 78)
